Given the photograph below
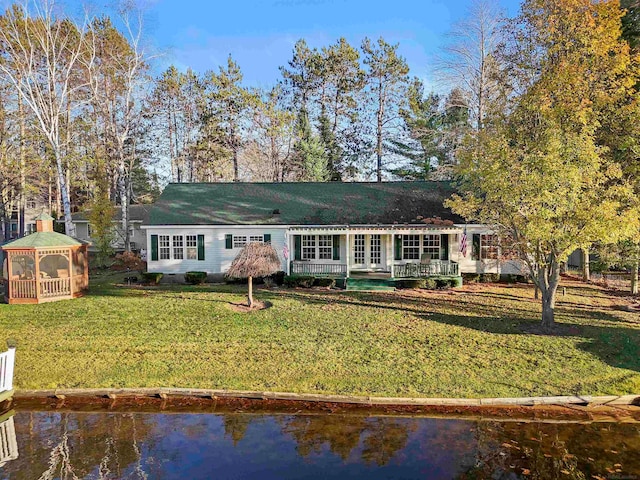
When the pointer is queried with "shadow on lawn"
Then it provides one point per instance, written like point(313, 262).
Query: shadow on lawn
point(596, 332)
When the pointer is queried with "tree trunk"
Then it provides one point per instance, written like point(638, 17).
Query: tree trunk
point(123, 193)
point(22, 200)
point(64, 193)
point(549, 279)
point(634, 274)
point(250, 296)
point(379, 135)
point(586, 275)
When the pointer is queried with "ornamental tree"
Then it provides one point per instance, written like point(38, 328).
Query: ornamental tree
point(539, 172)
point(254, 260)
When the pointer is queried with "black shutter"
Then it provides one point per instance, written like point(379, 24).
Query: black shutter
point(228, 241)
point(475, 250)
point(267, 238)
point(154, 248)
point(397, 247)
point(444, 247)
point(297, 251)
point(200, 247)
point(336, 247)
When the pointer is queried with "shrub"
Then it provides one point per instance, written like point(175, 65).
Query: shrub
point(304, 281)
point(195, 278)
point(411, 283)
point(278, 278)
point(130, 261)
point(489, 278)
point(152, 278)
point(446, 283)
point(430, 284)
point(324, 282)
point(471, 277)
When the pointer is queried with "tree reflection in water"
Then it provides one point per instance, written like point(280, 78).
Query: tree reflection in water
point(68, 445)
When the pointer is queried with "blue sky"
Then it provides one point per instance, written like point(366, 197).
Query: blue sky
point(260, 34)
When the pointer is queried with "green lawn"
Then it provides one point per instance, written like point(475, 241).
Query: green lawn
point(479, 341)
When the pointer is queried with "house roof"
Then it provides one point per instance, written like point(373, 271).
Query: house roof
point(333, 203)
point(138, 213)
point(43, 240)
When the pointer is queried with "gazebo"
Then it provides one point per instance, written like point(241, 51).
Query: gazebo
point(44, 266)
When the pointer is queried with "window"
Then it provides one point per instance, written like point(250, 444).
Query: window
point(358, 249)
point(165, 249)
point(325, 247)
point(308, 247)
point(31, 228)
point(31, 204)
point(239, 241)
point(431, 246)
point(256, 238)
point(178, 247)
point(376, 252)
point(192, 247)
point(411, 247)
point(489, 249)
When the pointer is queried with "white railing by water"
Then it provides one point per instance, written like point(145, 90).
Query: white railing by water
point(7, 362)
point(8, 442)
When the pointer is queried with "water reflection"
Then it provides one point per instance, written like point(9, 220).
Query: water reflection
point(144, 446)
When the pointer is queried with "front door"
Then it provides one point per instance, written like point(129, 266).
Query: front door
point(368, 252)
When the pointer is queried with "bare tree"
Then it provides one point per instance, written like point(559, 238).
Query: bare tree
point(41, 57)
point(467, 61)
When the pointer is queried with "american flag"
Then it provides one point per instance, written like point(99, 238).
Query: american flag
point(463, 243)
point(285, 252)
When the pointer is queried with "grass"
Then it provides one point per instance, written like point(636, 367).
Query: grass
point(480, 341)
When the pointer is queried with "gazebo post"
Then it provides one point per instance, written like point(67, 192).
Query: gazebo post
point(70, 271)
point(36, 255)
point(9, 292)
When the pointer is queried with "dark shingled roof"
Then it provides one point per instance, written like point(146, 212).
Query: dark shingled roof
point(333, 203)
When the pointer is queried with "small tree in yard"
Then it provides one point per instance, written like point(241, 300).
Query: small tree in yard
point(254, 260)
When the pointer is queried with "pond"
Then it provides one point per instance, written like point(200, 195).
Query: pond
point(124, 445)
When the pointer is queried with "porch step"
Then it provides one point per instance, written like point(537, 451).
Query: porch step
point(370, 284)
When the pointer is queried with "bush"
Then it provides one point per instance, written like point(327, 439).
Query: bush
point(195, 278)
point(430, 284)
point(471, 277)
point(411, 283)
point(304, 281)
point(489, 278)
point(446, 283)
point(324, 282)
point(130, 261)
point(278, 278)
point(152, 278)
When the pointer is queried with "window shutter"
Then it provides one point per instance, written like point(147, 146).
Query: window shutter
point(336, 247)
point(228, 241)
point(297, 250)
point(267, 238)
point(397, 247)
point(200, 247)
point(154, 248)
point(475, 251)
point(444, 246)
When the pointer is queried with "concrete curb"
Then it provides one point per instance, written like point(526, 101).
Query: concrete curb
point(586, 400)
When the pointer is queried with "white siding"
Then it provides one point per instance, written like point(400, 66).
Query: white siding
point(217, 258)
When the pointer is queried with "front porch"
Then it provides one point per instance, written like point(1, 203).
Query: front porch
point(368, 253)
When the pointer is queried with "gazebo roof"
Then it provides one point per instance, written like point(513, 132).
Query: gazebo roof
point(43, 240)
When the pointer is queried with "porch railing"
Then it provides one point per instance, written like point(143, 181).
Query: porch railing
point(319, 269)
point(432, 269)
point(7, 362)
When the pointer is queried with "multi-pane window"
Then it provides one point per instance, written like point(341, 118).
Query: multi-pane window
point(431, 246)
point(31, 204)
point(178, 247)
point(256, 238)
point(308, 247)
point(192, 247)
point(411, 247)
point(325, 247)
point(358, 249)
point(489, 249)
point(165, 248)
point(239, 241)
point(376, 250)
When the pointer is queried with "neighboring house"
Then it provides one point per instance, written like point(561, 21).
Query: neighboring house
point(138, 215)
point(393, 230)
point(33, 207)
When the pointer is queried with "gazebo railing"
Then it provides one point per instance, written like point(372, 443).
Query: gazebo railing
point(22, 288)
point(55, 287)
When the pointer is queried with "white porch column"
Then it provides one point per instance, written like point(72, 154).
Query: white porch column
point(287, 241)
point(391, 254)
point(348, 246)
